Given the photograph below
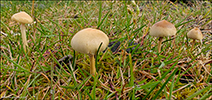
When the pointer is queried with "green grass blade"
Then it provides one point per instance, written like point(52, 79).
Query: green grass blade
point(164, 75)
point(103, 20)
point(21, 68)
point(167, 80)
point(171, 88)
point(199, 92)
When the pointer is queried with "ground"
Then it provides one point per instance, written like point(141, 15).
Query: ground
point(130, 68)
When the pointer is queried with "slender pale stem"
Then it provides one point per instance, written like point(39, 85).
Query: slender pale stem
point(23, 35)
point(92, 65)
point(193, 44)
point(200, 42)
point(159, 44)
point(200, 49)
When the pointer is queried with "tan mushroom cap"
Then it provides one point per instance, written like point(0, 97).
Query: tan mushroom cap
point(88, 40)
point(195, 33)
point(162, 28)
point(22, 17)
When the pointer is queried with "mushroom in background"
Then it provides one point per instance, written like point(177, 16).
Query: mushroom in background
point(161, 29)
point(195, 34)
point(23, 18)
point(87, 41)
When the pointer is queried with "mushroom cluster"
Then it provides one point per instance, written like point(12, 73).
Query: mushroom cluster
point(89, 40)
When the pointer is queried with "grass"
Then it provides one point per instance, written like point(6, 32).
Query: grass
point(46, 71)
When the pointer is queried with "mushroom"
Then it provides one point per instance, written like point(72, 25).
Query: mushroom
point(161, 29)
point(195, 34)
point(23, 18)
point(87, 41)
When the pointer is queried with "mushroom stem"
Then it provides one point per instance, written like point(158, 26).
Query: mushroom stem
point(92, 65)
point(159, 44)
point(23, 35)
point(193, 44)
point(201, 42)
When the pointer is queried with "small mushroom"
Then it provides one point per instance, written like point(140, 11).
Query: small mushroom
point(161, 29)
point(87, 41)
point(195, 34)
point(23, 18)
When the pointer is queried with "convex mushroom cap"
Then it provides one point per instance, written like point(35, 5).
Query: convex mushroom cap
point(162, 28)
point(88, 40)
point(195, 33)
point(22, 17)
